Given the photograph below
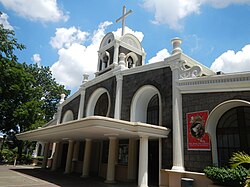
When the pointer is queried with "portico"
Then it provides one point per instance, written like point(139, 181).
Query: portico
point(100, 128)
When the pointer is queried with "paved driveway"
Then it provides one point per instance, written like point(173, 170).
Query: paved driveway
point(25, 176)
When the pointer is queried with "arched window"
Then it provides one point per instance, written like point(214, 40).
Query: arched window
point(130, 62)
point(99, 103)
point(102, 104)
point(146, 106)
point(104, 60)
point(68, 116)
point(153, 110)
point(232, 133)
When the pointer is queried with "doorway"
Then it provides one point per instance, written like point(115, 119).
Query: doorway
point(232, 132)
point(153, 162)
point(64, 155)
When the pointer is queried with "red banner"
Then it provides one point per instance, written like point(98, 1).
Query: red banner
point(197, 139)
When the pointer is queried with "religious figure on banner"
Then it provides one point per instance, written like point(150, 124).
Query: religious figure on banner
point(196, 136)
point(197, 126)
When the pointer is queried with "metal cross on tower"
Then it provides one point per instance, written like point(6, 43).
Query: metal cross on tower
point(123, 17)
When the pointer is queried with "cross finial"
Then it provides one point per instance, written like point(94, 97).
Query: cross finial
point(124, 15)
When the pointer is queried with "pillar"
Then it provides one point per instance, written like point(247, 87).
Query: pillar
point(53, 150)
point(69, 157)
point(178, 147)
point(55, 156)
point(143, 58)
point(76, 151)
point(36, 150)
point(111, 160)
point(116, 52)
point(75, 155)
point(118, 98)
point(45, 157)
point(132, 159)
point(59, 114)
point(81, 107)
point(86, 158)
point(143, 162)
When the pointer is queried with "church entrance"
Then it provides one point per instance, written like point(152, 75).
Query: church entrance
point(95, 159)
point(153, 162)
point(64, 155)
point(232, 132)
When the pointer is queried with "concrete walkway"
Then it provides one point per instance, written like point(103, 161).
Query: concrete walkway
point(27, 176)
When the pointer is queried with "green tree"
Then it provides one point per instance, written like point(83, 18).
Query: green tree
point(28, 93)
point(8, 45)
point(50, 89)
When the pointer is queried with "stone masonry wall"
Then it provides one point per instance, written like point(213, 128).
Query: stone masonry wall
point(162, 80)
point(198, 160)
point(73, 106)
point(110, 85)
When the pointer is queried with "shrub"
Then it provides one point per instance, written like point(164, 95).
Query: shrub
point(25, 159)
point(225, 176)
point(39, 158)
point(9, 155)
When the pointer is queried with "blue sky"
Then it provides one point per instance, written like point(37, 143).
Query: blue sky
point(65, 35)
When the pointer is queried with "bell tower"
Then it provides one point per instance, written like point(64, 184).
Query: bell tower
point(113, 45)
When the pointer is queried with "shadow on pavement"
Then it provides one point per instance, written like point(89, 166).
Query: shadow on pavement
point(57, 178)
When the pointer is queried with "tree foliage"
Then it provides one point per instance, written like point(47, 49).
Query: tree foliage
point(8, 45)
point(28, 93)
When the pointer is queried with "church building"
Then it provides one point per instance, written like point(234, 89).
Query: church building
point(149, 124)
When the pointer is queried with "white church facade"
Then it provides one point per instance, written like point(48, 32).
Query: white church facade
point(143, 123)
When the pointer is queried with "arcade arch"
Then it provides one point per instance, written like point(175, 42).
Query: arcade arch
point(215, 121)
point(95, 105)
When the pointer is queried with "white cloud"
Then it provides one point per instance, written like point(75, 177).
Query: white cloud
point(64, 38)
point(138, 34)
point(75, 58)
point(225, 3)
point(36, 59)
point(4, 21)
point(232, 61)
point(171, 12)
point(38, 10)
point(160, 56)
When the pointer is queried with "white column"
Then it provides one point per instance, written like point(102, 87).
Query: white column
point(59, 114)
point(53, 150)
point(86, 158)
point(81, 107)
point(111, 160)
point(69, 157)
point(118, 98)
point(55, 156)
point(59, 110)
point(116, 52)
point(45, 157)
point(143, 162)
point(75, 155)
point(178, 149)
point(132, 159)
point(36, 150)
point(76, 151)
point(143, 58)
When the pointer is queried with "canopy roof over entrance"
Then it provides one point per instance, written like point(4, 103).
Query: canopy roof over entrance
point(94, 127)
